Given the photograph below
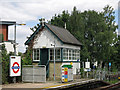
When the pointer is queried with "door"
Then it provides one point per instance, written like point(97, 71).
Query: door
point(44, 56)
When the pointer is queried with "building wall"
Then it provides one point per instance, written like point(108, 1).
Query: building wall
point(4, 31)
point(76, 65)
point(46, 38)
point(57, 70)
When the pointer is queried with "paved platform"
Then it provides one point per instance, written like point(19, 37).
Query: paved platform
point(48, 84)
point(77, 82)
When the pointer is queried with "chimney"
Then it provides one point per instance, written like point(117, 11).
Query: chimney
point(43, 21)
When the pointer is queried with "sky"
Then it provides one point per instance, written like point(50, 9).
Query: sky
point(30, 11)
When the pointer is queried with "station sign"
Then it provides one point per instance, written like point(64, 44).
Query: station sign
point(87, 64)
point(15, 66)
point(87, 69)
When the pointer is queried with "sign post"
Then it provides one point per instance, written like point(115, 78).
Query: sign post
point(87, 66)
point(15, 66)
point(109, 69)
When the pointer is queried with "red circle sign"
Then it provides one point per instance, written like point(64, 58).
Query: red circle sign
point(15, 67)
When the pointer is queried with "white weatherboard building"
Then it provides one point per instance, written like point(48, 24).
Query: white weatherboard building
point(67, 48)
point(119, 18)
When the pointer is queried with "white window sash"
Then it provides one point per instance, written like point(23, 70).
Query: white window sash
point(72, 51)
point(37, 53)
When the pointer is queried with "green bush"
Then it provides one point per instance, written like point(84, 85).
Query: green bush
point(5, 65)
point(26, 60)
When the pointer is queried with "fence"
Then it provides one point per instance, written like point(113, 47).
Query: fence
point(101, 74)
point(32, 73)
point(106, 75)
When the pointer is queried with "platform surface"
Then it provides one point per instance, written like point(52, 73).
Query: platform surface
point(48, 84)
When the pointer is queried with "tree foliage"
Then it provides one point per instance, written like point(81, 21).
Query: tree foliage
point(26, 58)
point(5, 65)
point(116, 56)
point(95, 30)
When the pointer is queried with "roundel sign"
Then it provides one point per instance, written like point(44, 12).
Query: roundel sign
point(15, 66)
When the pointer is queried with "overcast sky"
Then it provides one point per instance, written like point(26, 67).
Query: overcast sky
point(29, 11)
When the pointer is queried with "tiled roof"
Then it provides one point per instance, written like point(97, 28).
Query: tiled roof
point(63, 34)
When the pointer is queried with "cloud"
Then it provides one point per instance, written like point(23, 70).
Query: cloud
point(29, 11)
point(21, 35)
point(11, 12)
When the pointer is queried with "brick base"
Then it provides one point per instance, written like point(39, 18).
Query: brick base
point(57, 71)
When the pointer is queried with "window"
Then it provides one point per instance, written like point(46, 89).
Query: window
point(51, 54)
point(36, 54)
point(77, 54)
point(65, 54)
point(57, 54)
point(71, 54)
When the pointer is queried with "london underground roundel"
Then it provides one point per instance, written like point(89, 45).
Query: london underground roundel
point(15, 66)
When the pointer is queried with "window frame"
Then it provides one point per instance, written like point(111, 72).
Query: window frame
point(36, 54)
point(65, 53)
point(56, 59)
point(74, 56)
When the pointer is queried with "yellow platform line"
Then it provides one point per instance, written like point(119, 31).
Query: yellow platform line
point(56, 85)
point(67, 84)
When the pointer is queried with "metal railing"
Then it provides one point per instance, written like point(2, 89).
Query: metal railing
point(34, 73)
point(47, 69)
point(98, 74)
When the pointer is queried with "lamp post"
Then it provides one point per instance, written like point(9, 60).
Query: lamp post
point(15, 38)
point(54, 59)
point(14, 80)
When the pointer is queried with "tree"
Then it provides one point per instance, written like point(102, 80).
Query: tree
point(115, 58)
point(60, 20)
point(106, 36)
point(96, 31)
point(5, 64)
point(26, 58)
